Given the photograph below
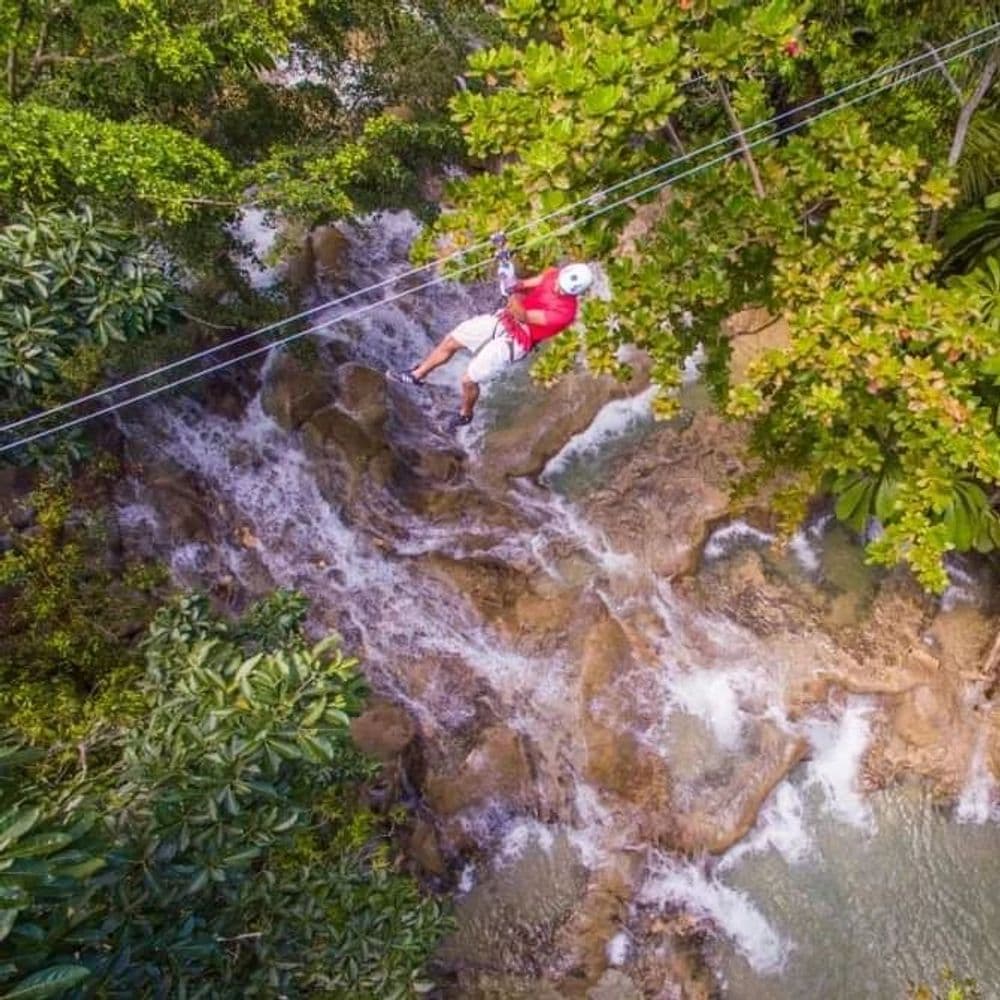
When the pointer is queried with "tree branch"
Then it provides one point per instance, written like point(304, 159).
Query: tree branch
point(964, 121)
point(203, 322)
point(674, 137)
point(15, 38)
point(53, 58)
point(751, 163)
point(970, 106)
point(945, 72)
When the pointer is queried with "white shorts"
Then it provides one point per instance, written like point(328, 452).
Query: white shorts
point(493, 348)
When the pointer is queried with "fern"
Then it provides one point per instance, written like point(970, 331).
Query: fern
point(979, 167)
point(972, 236)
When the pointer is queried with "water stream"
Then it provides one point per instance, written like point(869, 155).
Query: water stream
point(829, 893)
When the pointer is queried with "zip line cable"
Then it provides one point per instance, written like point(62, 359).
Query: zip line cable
point(590, 199)
point(440, 279)
point(284, 321)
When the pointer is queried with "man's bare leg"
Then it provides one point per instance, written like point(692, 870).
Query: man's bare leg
point(441, 355)
point(470, 393)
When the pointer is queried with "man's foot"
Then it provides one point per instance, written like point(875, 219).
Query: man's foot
point(459, 420)
point(406, 378)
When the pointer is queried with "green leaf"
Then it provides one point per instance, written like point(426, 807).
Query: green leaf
point(48, 983)
point(7, 920)
point(16, 823)
point(41, 844)
point(853, 503)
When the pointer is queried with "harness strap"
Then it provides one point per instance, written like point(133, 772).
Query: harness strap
point(500, 332)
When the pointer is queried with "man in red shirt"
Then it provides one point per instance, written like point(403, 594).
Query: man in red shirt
point(538, 308)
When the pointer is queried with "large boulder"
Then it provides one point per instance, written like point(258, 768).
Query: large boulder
point(617, 763)
point(294, 391)
point(361, 393)
point(545, 422)
point(497, 769)
point(383, 730)
point(660, 501)
point(181, 501)
point(930, 732)
point(718, 807)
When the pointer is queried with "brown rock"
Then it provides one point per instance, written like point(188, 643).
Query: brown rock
point(383, 730)
point(498, 768)
point(618, 763)
point(753, 333)
point(722, 804)
point(330, 251)
point(293, 392)
point(330, 432)
point(614, 985)
point(361, 392)
point(181, 501)
point(545, 423)
point(606, 654)
point(598, 916)
point(660, 501)
point(927, 733)
point(422, 847)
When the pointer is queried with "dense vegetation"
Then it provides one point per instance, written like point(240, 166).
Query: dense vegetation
point(215, 844)
point(182, 811)
point(870, 232)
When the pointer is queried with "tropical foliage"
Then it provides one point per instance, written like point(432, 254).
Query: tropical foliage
point(71, 287)
point(69, 611)
point(235, 856)
point(885, 394)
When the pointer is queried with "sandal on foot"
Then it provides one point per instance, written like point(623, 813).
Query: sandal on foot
point(459, 420)
point(404, 377)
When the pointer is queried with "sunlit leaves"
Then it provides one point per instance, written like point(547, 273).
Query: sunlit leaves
point(50, 154)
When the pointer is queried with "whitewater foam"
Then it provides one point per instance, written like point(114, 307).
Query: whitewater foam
point(732, 536)
point(838, 748)
point(613, 420)
point(781, 827)
point(671, 883)
point(980, 798)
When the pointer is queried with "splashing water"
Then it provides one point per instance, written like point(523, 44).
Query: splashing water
point(707, 671)
point(679, 883)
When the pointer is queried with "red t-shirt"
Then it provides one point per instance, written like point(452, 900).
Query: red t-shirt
point(546, 297)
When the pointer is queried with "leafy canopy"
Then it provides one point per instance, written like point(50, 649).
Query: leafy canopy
point(886, 391)
point(235, 857)
point(70, 287)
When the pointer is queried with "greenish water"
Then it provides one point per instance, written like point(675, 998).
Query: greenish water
point(861, 913)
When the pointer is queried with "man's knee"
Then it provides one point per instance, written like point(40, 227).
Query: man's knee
point(450, 344)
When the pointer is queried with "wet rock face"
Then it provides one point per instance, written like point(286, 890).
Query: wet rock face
point(383, 730)
point(497, 768)
point(507, 924)
point(541, 428)
point(725, 802)
point(293, 391)
point(659, 501)
point(183, 503)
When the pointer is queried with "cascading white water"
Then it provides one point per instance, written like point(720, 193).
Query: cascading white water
point(716, 683)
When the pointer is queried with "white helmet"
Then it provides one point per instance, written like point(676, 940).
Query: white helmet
point(575, 279)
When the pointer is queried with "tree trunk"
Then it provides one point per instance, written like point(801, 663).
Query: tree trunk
point(964, 121)
point(751, 163)
point(15, 39)
point(970, 106)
